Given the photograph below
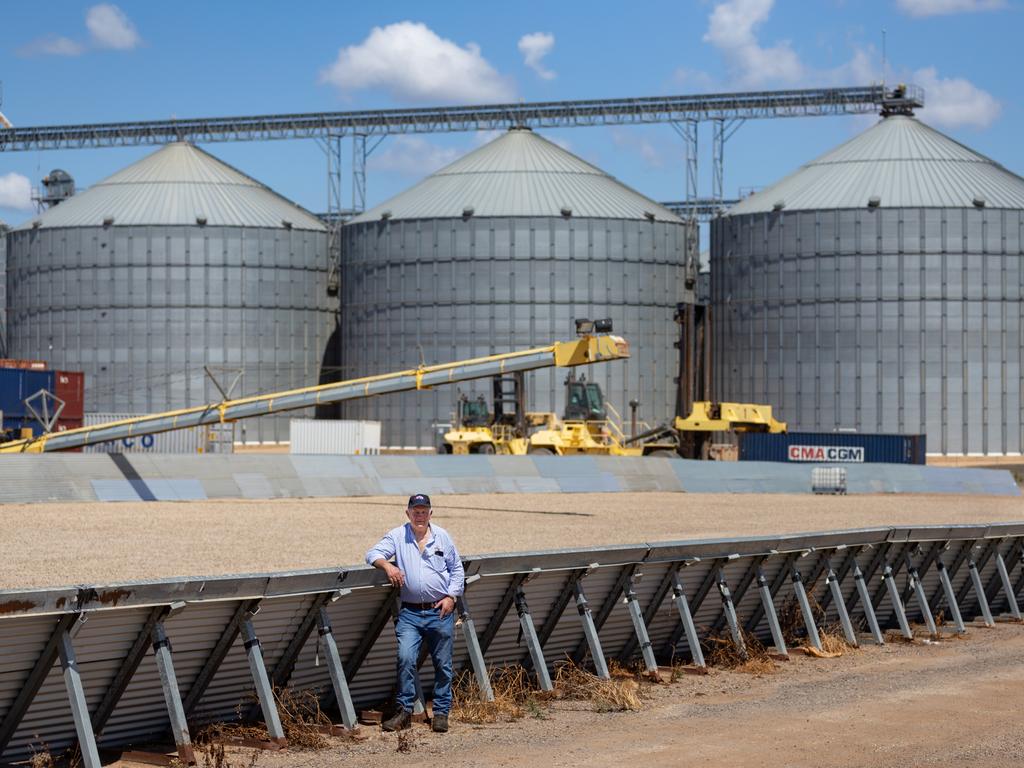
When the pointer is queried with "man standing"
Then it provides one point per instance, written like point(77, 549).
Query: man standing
point(429, 572)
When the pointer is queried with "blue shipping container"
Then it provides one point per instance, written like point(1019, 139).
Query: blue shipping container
point(10, 392)
point(832, 448)
point(16, 384)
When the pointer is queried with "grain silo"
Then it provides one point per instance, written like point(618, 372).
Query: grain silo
point(176, 262)
point(3, 290)
point(878, 289)
point(501, 250)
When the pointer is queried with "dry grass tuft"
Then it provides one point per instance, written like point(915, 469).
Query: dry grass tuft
point(614, 695)
point(211, 754)
point(302, 719)
point(720, 651)
point(42, 758)
point(833, 641)
point(406, 741)
point(513, 697)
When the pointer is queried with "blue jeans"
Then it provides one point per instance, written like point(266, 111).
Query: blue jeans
point(412, 628)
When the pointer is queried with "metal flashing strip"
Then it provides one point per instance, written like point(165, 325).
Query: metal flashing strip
point(114, 641)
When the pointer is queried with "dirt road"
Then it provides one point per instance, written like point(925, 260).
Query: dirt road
point(957, 702)
point(57, 544)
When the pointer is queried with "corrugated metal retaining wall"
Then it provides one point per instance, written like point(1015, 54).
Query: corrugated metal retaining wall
point(201, 617)
point(70, 477)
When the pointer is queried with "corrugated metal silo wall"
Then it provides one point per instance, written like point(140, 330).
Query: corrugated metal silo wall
point(3, 292)
point(141, 310)
point(443, 290)
point(885, 321)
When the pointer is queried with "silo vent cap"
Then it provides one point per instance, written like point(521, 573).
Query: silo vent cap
point(649, 215)
point(979, 201)
point(286, 223)
point(200, 220)
point(874, 201)
point(468, 211)
point(566, 211)
point(778, 205)
point(385, 215)
point(108, 221)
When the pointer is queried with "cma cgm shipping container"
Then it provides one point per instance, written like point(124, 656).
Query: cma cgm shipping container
point(17, 384)
point(832, 448)
point(32, 365)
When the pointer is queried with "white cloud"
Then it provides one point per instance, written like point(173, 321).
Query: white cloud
point(731, 28)
point(534, 47)
point(413, 156)
point(630, 140)
point(16, 192)
point(694, 80)
point(412, 62)
point(110, 28)
point(954, 101)
point(53, 45)
point(921, 8)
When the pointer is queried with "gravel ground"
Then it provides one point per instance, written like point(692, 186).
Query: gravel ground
point(956, 702)
point(57, 544)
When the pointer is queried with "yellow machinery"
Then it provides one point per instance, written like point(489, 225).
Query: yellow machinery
point(591, 426)
point(589, 348)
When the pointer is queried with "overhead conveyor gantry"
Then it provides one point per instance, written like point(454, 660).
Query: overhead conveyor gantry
point(585, 350)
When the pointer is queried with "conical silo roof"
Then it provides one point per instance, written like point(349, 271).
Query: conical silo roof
point(900, 161)
point(520, 174)
point(177, 185)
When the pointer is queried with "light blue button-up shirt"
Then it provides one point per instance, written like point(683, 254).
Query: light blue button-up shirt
point(429, 575)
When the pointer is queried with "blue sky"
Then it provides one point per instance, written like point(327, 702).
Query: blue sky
point(70, 62)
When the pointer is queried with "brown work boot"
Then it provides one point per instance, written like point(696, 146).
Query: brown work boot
point(400, 721)
point(439, 724)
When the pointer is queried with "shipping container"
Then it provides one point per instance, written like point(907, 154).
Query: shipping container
point(191, 440)
point(339, 438)
point(34, 365)
point(69, 386)
point(833, 448)
point(16, 384)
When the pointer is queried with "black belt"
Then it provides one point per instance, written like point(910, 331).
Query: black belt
point(418, 606)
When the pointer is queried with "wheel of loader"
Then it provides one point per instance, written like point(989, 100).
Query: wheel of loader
point(486, 448)
point(444, 449)
point(540, 450)
point(663, 453)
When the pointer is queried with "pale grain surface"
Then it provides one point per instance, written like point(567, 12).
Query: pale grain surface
point(58, 544)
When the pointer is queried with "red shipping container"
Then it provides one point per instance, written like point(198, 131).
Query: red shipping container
point(69, 386)
point(63, 425)
point(31, 365)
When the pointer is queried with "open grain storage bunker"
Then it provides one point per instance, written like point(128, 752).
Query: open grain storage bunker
point(175, 262)
point(499, 251)
point(878, 288)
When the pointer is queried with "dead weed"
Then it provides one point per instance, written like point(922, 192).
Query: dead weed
point(612, 695)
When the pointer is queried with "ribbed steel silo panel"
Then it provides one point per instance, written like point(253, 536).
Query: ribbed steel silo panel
point(141, 310)
point(917, 339)
point(432, 291)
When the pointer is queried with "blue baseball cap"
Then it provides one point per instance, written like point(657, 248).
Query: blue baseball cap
point(419, 500)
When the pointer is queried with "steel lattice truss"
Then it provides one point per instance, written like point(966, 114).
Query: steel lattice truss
point(142, 662)
point(559, 114)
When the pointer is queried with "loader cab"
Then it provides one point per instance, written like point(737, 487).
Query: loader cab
point(584, 401)
point(473, 413)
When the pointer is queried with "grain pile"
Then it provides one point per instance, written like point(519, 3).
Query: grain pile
point(58, 544)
